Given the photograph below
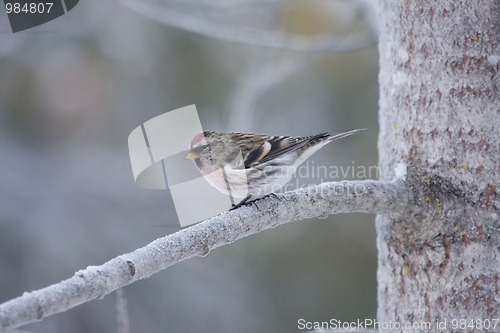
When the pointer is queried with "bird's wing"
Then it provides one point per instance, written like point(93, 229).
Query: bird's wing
point(274, 146)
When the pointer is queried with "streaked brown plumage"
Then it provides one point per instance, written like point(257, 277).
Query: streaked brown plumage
point(250, 166)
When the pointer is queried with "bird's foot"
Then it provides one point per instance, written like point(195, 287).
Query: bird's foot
point(241, 203)
point(246, 201)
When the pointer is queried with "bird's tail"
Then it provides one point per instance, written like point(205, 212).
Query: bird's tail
point(344, 134)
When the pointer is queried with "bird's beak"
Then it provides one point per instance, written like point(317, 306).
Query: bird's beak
point(191, 155)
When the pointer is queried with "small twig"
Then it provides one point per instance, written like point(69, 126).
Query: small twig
point(197, 240)
point(122, 311)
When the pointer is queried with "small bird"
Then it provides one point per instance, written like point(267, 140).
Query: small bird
point(252, 166)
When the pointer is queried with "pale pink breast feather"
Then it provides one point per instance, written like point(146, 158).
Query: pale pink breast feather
point(234, 182)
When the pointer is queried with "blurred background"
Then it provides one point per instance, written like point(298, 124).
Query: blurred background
point(73, 89)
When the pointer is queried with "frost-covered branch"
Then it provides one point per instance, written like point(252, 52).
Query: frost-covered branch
point(228, 32)
point(197, 240)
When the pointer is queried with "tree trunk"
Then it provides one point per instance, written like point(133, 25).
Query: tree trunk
point(439, 114)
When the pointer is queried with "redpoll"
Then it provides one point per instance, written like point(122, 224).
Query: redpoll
point(251, 166)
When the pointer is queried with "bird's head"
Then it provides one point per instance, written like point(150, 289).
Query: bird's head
point(212, 150)
point(199, 146)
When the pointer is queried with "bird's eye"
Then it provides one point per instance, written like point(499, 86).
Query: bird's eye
point(205, 147)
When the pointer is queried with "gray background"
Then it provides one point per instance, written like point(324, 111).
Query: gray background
point(70, 93)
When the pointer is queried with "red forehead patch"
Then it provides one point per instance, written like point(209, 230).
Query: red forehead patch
point(197, 138)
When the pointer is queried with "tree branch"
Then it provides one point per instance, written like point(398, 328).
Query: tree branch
point(197, 240)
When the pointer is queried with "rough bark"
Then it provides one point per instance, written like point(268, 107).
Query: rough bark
point(439, 113)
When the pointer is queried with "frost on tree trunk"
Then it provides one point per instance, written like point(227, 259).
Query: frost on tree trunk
point(440, 114)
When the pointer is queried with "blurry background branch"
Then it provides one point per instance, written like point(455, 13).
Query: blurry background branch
point(259, 80)
point(219, 20)
point(122, 318)
point(206, 24)
point(198, 240)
